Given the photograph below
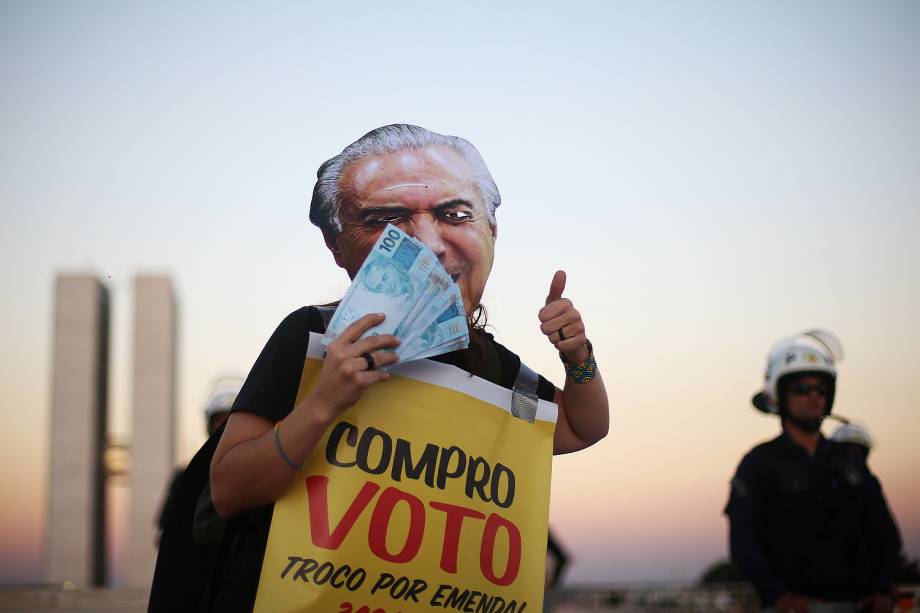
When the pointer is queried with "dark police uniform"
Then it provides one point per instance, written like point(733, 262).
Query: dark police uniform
point(816, 525)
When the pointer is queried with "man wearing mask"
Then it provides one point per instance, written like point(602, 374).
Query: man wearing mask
point(437, 189)
point(806, 530)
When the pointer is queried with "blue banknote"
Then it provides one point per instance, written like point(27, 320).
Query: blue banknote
point(391, 281)
point(403, 279)
point(447, 328)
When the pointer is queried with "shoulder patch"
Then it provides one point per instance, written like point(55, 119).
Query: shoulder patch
point(739, 487)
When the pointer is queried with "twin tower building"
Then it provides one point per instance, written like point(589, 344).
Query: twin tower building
point(75, 543)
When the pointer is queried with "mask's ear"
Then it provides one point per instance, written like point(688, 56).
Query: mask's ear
point(333, 246)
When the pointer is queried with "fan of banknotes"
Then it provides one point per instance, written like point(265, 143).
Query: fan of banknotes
point(403, 279)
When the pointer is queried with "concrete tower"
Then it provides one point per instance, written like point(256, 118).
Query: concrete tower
point(74, 549)
point(153, 418)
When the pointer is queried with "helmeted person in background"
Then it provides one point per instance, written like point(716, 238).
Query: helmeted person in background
point(809, 528)
point(858, 443)
point(855, 437)
point(216, 410)
point(218, 406)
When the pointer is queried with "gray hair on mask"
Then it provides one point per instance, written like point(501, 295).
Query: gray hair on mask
point(328, 197)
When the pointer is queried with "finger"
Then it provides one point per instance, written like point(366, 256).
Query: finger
point(373, 343)
point(385, 358)
point(556, 287)
point(568, 320)
point(555, 309)
point(379, 359)
point(572, 345)
point(572, 332)
point(359, 327)
point(565, 334)
point(570, 340)
point(370, 377)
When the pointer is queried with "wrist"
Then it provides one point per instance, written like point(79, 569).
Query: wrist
point(576, 356)
point(318, 411)
point(585, 369)
point(296, 465)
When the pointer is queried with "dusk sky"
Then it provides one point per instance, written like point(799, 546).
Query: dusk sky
point(713, 176)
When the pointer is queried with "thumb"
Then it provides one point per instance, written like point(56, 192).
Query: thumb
point(556, 287)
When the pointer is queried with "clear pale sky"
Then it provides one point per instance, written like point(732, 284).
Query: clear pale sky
point(713, 176)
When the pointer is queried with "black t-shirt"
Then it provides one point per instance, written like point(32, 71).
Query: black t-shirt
point(271, 388)
point(270, 391)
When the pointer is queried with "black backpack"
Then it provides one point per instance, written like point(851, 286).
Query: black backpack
point(183, 568)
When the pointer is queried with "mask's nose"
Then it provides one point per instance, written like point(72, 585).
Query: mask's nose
point(428, 231)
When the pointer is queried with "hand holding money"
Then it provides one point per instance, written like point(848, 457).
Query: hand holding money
point(351, 365)
point(403, 279)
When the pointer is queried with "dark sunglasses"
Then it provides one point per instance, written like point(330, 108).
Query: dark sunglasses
point(803, 389)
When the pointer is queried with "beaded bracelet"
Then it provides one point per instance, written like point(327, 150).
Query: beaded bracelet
point(284, 456)
point(583, 371)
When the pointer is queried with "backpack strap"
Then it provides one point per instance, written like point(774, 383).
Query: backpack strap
point(524, 398)
point(326, 311)
point(491, 363)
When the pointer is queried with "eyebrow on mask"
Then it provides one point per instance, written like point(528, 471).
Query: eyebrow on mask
point(392, 187)
point(453, 204)
point(394, 209)
point(397, 209)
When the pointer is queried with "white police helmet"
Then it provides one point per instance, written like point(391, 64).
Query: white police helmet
point(814, 351)
point(853, 433)
point(222, 396)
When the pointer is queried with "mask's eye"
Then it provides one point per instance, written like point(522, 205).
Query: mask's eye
point(383, 219)
point(457, 215)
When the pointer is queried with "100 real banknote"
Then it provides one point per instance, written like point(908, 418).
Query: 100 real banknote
point(403, 279)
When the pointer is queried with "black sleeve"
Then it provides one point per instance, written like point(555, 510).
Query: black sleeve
point(271, 387)
point(511, 365)
point(886, 543)
point(745, 505)
point(545, 389)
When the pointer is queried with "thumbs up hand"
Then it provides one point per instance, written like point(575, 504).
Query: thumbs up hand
point(562, 324)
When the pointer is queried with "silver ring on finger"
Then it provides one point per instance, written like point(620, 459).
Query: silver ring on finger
point(371, 365)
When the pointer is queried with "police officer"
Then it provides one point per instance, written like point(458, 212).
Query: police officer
point(856, 437)
point(809, 528)
point(216, 410)
point(857, 442)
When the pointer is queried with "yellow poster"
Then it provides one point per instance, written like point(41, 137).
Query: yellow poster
point(426, 495)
